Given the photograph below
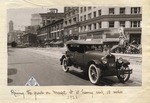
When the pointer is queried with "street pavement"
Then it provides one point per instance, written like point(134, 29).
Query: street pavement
point(44, 66)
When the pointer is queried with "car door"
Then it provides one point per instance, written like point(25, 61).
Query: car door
point(71, 52)
point(79, 55)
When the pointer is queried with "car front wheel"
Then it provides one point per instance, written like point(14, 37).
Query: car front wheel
point(64, 65)
point(124, 77)
point(94, 74)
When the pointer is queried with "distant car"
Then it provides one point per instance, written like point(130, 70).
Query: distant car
point(21, 46)
point(89, 56)
point(13, 44)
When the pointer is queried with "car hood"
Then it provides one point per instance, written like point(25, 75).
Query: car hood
point(96, 53)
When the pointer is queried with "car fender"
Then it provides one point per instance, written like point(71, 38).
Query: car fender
point(61, 59)
point(96, 62)
point(125, 62)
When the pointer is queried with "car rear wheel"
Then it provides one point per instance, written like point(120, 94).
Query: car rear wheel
point(64, 65)
point(94, 74)
point(124, 77)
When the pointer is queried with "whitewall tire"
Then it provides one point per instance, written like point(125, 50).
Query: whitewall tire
point(64, 65)
point(94, 74)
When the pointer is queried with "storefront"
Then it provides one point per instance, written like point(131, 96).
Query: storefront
point(92, 35)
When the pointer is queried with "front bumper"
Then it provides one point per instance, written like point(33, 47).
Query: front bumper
point(115, 72)
point(124, 71)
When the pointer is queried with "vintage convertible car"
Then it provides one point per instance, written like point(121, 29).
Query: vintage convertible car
point(90, 57)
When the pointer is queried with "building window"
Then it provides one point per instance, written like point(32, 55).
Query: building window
point(89, 16)
point(54, 28)
point(84, 17)
point(99, 12)
point(135, 10)
point(122, 10)
point(52, 34)
point(66, 22)
point(94, 25)
point(89, 27)
point(61, 26)
point(57, 34)
point(85, 28)
point(57, 27)
point(122, 23)
point(68, 14)
point(81, 18)
point(81, 9)
point(73, 12)
point(84, 8)
point(74, 19)
point(111, 11)
point(135, 23)
point(111, 24)
point(99, 25)
point(89, 8)
point(70, 21)
point(81, 28)
point(94, 14)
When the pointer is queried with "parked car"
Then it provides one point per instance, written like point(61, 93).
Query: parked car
point(89, 56)
point(21, 46)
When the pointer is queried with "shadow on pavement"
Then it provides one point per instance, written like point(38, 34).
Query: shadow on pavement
point(79, 74)
point(105, 81)
point(12, 71)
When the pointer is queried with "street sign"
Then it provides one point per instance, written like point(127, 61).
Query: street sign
point(32, 82)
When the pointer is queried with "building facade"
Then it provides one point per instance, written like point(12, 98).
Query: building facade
point(99, 22)
point(54, 34)
point(30, 35)
point(71, 22)
point(14, 35)
point(46, 32)
point(11, 26)
point(29, 39)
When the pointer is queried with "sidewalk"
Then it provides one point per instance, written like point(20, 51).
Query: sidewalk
point(129, 55)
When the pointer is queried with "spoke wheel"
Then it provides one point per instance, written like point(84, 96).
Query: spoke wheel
point(64, 65)
point(124, 77)
point(94, 74)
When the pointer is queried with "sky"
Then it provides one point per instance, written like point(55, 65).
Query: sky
point(21, 17)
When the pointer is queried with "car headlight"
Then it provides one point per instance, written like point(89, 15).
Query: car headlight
point(104, 60)
point(120, 60)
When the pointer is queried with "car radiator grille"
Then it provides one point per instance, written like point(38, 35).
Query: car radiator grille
point(111, 62)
